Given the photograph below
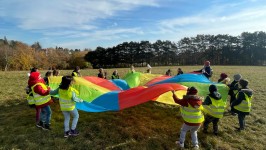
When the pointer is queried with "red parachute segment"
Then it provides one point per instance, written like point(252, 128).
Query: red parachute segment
point(139, 95)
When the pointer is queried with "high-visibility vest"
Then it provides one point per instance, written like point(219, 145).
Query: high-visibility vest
point(75, 74)
point(65, 99)
point(191, 114)
point(30, 98)
point(114, 77)
point(216, 109)
point(245, 105)
point(39, 99)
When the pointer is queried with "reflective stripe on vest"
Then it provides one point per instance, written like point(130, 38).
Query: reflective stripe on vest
point(245, 105)
point(216, 109)
point(39, 99)
point(30, 99)
point(192, 115)
point(65, 99)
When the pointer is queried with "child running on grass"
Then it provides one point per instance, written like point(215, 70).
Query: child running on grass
point(191, 106)
point(67, 100)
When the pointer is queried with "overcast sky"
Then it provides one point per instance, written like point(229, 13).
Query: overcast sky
point(106, 23)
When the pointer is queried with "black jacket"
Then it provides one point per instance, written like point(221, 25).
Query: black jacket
point(240, 98)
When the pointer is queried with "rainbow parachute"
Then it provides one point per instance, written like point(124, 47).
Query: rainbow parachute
point(135, 88)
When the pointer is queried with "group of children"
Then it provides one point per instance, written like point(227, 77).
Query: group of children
point(39, 96)
point(195, 112)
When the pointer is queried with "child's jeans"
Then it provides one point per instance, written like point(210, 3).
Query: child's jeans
point(193, 131)
point(43, 114)
point(75, 115)
point(241, 119)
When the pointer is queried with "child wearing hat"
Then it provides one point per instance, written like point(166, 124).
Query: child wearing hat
point(214, 108)
point(242, 104)
point(233, 89)
point(42, 100)
point(191, 106)
point(224, 79)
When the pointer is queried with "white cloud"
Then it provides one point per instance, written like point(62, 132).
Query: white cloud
point(251, 19)
point(65, 13)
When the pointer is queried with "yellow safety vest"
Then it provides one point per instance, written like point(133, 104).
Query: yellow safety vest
point(39, 99)
point(75, 74)
point(192, 115)
point(216, 109)
point(114, 77)
point(30, 99)
point(245, 105)
point(65, 99)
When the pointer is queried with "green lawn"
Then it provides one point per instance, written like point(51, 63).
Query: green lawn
point(148, 126)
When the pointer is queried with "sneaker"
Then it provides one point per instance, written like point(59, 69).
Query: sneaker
point(74, 132)
point(196, 147)
point(46, 127)
point(179, 144)
point(67, 134)
point(240, 129)
point(40, 124)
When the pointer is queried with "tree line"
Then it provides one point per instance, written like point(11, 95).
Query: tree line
point(15, 55)
point(245, 49)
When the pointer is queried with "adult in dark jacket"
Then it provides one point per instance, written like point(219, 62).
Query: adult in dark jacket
point(242, 104)
point(214, 108)
point(206, 70)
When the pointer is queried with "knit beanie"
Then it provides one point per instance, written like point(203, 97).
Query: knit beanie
point(237, 77)
point(192, 91)
point(212, 88)
point(223, 75)
point(243, 83)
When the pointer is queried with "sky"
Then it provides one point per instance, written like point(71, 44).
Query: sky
point(80, 24)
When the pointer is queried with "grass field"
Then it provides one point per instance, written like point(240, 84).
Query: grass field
point(148, 126)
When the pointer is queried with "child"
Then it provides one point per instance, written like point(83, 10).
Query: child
point(102, 74)
point(67, 100)
point(242, 104)
point(234, 87)
point(224, 79)
point(149, 68)
point(191, 106)
point(132, 69)
point(46, 78)
point(179, 71)
point(76, 72)
point(42, 100)
point(214, 108)
point(168, 72)
point(115, 75)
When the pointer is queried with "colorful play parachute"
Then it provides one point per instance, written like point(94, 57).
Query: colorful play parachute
point(135, 88)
